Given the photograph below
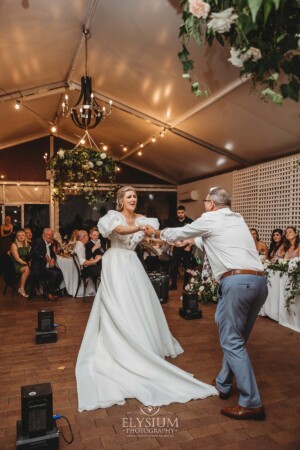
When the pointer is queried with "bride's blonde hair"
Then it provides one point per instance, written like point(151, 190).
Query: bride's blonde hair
point(121, 194)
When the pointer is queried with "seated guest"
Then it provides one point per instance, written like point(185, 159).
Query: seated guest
point(19, 252)
point(276, 241)
point(261, 246)
point(69, 247)
point(6, 234)
point(57, 243)
point(290, 247)
point(43, 265)
point(93, 246)
point(90, 267)
point(29, 236)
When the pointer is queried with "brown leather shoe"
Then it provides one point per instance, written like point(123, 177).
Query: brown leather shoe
point(52, 297)
point(240, 413)
point(222, 395)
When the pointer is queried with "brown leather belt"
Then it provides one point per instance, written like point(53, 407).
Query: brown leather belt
point(259, 273)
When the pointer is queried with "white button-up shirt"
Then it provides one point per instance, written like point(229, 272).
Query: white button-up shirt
point(226, 239)
point(80, 252)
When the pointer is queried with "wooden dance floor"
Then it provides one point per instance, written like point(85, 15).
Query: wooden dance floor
point(275, 353)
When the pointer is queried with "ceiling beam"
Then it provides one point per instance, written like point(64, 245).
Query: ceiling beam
point(209, 146)
point(23, 139)
point(34, 93)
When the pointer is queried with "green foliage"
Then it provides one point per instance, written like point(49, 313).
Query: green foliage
point(206, 288)
point(292, 269)
point(272, 26)
point(80, 171)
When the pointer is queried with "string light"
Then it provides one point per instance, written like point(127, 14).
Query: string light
point(53, 129)
point(17, 105)
point(141, 145)
point(104, 147)
point(153, 139)
point(118, 169)
point(125, 149)
point(82, 141)
point(140, 153)
point(2, 176)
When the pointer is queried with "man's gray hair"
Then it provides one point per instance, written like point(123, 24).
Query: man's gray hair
point(81, 233)
point(45, 230)
point(220, 196)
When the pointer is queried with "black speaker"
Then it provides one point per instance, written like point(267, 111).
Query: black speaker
point(45, 321)
point(190, 306)
point(48, 441)
point(37, 409)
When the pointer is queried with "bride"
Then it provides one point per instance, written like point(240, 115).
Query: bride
point(127, 335)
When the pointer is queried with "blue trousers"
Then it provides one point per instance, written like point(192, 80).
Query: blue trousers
point(240, 299)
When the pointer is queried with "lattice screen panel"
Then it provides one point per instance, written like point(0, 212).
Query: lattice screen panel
point(268, 195)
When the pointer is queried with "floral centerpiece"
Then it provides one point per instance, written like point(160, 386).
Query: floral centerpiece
point(81, 170)
point(290, 267)
point(263, 36)
point(206, 288)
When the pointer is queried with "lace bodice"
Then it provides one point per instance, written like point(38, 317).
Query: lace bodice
point(112, 219)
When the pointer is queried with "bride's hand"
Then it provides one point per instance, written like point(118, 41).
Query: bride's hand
point(149, 231)
point(181, 243)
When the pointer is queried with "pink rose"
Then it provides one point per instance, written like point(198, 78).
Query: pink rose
point(199, 9)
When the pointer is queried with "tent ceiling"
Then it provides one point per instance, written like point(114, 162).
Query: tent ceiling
point(132, 58)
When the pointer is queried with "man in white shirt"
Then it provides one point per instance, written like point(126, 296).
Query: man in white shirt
point(236, 265)
point(90, 267)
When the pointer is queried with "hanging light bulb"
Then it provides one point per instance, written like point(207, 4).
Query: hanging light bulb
point(141, 145)
point(124, 149)
point(104, 147)
point(153, 139)
point(53, 129)
point(17, 105)
point(140, 153)
point(82, 141)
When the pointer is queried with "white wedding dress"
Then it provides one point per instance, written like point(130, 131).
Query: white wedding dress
point(127, 335)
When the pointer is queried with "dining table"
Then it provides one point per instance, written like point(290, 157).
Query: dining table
point(274, 306)
point(70, 274)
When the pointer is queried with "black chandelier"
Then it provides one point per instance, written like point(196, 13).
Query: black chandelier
point(88, 114)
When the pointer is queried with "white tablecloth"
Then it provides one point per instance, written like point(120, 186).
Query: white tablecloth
point(68, 268)
point(274, 305)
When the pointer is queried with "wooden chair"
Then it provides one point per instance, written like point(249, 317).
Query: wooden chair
point(82, 277)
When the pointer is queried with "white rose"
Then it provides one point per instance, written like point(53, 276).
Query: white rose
point(61, 153)
point(192, 280)
point(187, 288)
point(221, 22)
point(99, 163)
point(103, 155)
point(253, 53)
point(235, 57)
point(91, 165)
point(201, 288)
point(199, 9)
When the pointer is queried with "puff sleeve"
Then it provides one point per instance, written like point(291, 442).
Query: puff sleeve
point(109, 222)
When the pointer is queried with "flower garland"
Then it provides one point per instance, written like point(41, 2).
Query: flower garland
point(206, 288)
point(264, 39)
point(81, 170)
point(292, 268)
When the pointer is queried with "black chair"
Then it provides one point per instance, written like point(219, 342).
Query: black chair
point(11, 278)
point(82, 277)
